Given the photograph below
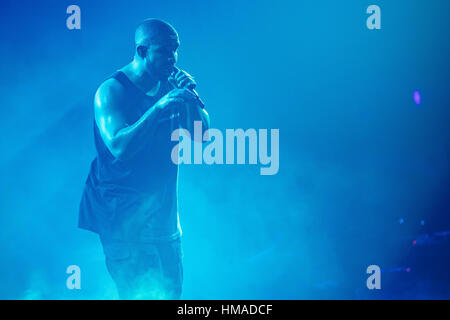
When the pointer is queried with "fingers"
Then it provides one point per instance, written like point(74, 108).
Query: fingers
point(181, 73)
point(176, 100)
point(183, 93)
point(173, 104)
point(183, 79)
point(187, 82)
point(182, 97)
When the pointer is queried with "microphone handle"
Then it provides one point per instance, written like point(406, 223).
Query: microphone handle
point(200, 102)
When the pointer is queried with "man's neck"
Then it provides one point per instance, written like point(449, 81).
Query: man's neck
point(140, 77)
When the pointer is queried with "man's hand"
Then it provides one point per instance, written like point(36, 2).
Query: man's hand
point(184, 80)
point(174, 99)
point(193, 112)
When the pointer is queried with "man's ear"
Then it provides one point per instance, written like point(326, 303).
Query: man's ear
point(142, 51)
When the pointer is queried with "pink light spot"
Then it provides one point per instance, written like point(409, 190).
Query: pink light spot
point(408, 269)
point(417, 97)
point(414, 242)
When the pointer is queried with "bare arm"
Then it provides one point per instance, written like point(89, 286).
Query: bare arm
point(123, 139)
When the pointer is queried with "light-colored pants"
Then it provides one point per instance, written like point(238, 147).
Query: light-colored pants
point(145, 270)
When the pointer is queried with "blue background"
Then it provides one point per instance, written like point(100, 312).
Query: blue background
point(361, 164)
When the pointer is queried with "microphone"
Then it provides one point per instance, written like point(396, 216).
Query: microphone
point(190, 87)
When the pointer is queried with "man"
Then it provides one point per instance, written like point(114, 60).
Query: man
point(130, 196)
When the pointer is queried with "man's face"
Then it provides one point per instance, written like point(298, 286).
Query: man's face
point(161, 57)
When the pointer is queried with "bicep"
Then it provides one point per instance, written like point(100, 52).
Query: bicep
point(108, 115)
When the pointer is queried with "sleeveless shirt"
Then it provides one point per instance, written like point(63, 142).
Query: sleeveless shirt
point(134, 199)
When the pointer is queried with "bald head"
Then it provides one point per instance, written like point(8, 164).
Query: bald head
point(154, 31)
point(156, 47)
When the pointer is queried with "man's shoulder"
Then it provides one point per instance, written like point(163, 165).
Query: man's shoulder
point(111, 86)
point(110, 91)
